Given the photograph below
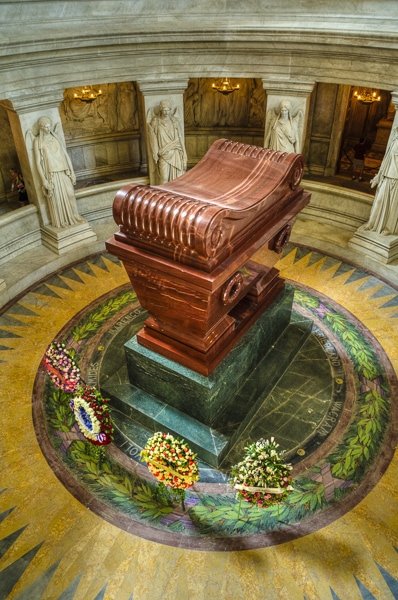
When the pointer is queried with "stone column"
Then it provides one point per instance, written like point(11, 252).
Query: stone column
point(23, 113)
point(154, 95)
point(298, 95)
point(383, 248)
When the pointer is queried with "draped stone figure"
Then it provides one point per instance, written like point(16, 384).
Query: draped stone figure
point(284, 131)
point(167, 149)
point(56, 174)
point(384, 214)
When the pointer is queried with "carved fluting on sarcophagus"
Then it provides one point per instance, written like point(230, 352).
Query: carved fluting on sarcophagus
point(173, 224)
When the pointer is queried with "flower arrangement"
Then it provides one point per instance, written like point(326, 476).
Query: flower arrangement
point(93, 416)
point(172, 462)
point(61, 368)
point(262, 477)
point(89, 407)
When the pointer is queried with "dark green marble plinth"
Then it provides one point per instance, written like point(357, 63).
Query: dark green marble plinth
point(155, 415)
point(234, 425)
point(208, 398)
point(213, 414)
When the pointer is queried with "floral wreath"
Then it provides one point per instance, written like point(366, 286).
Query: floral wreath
point(171, 461)
point(89, 407)
point(262, 477)
point(92, 416)
point(85, 416)
point(61, 368)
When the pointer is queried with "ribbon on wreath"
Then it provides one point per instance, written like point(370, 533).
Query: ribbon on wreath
point(54, 370)
point(159, 465)
point(250, 488)
point(57, 373)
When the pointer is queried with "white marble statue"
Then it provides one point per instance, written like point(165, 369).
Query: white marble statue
point(56, 174)
point(384, 214)
point(167, 149)
point(284, 130)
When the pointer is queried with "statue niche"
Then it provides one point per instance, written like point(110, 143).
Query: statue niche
point(114, 111)
point(186, 246)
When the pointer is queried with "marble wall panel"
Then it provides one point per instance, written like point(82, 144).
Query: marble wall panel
point(333, 205)
point(77, 157)
point(8, 155)
point(20, 232)
point(318, 154)
point(105, 155)
point(197, 143)
point(123, 149)
point(89, 164)
point(325, 103)
point(321, 132)
point(101, 155)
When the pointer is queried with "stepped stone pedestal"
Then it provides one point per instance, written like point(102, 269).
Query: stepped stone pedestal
point(210, 413)
point(383, 248)
point(63, 240)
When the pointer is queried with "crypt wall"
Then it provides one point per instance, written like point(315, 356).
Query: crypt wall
point(105, 137)
point(135, 51)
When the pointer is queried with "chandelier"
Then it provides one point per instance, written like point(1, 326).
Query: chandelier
point(225, 87)
point(367, 96)
point(87, 94)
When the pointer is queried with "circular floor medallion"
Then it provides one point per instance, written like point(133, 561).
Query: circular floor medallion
point(330, 412)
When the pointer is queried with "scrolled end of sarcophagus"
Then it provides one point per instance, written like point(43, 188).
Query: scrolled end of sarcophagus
point(172, 224)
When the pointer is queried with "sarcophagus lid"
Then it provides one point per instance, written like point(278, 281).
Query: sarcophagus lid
point(236, 193)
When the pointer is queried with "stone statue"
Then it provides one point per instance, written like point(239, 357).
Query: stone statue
point(384, 214)
point(56, 174)
point(284, 131)
point(167, 149)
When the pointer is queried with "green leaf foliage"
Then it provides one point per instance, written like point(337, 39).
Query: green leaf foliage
point(93, 321)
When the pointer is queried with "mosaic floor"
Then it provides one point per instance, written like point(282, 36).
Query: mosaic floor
point(63, 536)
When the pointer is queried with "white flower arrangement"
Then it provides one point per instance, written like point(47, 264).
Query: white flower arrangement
point(262, 477)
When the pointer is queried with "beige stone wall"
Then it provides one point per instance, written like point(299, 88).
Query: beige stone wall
point(70, 44)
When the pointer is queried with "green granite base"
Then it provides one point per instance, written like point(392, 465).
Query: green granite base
point(213, 414)
point(155, 415)
point(213, 444)
point(206, 398)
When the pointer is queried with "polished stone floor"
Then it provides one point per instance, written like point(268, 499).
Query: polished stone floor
point(61, 539)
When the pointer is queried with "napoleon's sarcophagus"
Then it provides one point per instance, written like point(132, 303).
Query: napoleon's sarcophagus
point(187, 244)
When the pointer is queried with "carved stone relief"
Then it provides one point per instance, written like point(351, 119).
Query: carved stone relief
point(115, 110)
point(284, 128)
point(204, 107)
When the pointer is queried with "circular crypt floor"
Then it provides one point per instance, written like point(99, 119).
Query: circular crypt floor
point(333, 412)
